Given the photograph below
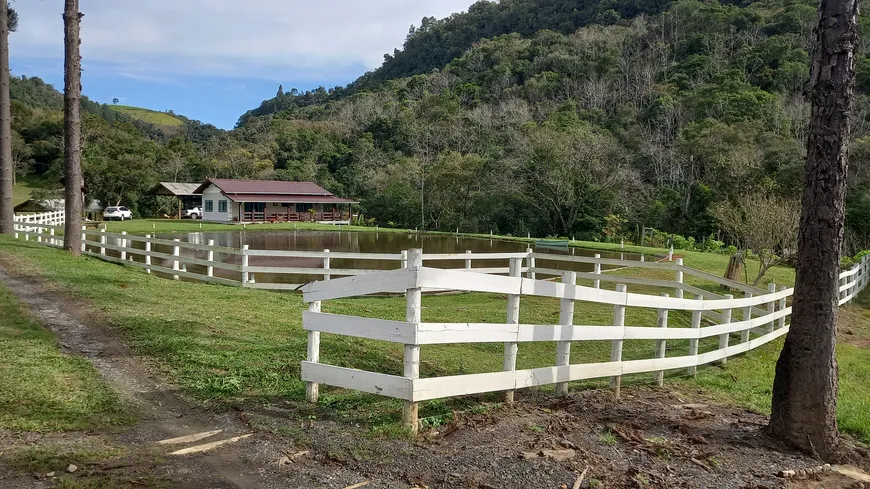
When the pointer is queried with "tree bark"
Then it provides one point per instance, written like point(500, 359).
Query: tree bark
point(804, 413)
point(7, 170)
point(72, 94)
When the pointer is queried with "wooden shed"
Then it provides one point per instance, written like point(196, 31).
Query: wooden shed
point(185, 192)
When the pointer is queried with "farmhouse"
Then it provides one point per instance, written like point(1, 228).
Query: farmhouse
point(226, 200)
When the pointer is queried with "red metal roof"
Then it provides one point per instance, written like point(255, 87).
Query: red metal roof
point(291, 199)
point(230, 187)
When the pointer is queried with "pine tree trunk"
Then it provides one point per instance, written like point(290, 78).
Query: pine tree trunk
point(72, 94)
point(804, 412)
point(7, 171)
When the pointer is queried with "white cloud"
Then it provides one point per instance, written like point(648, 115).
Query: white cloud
point(270, 39)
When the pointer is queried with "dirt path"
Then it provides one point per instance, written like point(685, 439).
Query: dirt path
point(161, 410)
point(652, 438)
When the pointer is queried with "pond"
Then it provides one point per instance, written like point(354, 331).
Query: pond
point(357, 242)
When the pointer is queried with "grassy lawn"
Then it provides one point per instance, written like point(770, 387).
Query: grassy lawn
point(148, 115)
point(229, 345)
point(42, 389)
point(748, 381)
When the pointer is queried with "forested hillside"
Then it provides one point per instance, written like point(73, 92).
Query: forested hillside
point(436, 42)
point(667, 120)
point(661, 120)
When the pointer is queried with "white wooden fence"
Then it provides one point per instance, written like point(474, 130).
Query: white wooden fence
point(762, 318)
point(241, 266)
point(57, 218)
point(238, 266)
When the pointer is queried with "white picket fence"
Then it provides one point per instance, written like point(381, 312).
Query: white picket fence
point(240, 267)
point(763, 318)
point(57, 218)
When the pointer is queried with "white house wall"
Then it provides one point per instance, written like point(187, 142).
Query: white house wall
point(214, 194)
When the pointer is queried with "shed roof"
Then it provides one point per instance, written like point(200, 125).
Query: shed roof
point(176, 189)
point(264, 187)
point(33, 205)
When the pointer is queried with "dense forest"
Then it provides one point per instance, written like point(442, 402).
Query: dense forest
point(563, 118)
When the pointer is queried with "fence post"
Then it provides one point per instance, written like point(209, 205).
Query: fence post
point(326, 276)
point(51, 239)
point(782, 305)
point(468, 260)
point(531, 273)
point(84, 238)
point(404, 259)
point(671, 253)
point(245, 265)
point(147, 252)
point(413, 310)
point(566, 319)
point(39, 234)
point(678, 292)
point(102, 242)
point(661, 345)
point(642, 258)
point(124, 246)
point(176, 264)
point(693, 343)
point(513, 317)
point(723, 338)
point(209, 271)
point(616, 346)
point(771, 306)
point(853, 291)
point(312, 388)
point(597, 270)
point(747, 315)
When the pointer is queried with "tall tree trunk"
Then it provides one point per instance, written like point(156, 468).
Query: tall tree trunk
point(804, 412)
point(7, 171)
point(72, 94)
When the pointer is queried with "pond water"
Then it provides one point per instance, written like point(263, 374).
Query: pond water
point(356, 242)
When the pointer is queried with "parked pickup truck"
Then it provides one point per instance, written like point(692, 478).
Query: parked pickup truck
point(192, 213)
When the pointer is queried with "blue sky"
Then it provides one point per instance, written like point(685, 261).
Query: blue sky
point(214, 59)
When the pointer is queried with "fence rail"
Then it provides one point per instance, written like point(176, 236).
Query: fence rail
point(55, 218)
point(761, 313)
point(238, 267)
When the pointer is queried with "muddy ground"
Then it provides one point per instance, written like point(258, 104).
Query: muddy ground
point(651, 438)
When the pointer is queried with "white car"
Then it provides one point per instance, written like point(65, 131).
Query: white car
point(118, 213)
point(193, 213)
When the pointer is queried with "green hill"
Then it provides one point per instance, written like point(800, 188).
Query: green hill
point(147, 115)
point(665, 119)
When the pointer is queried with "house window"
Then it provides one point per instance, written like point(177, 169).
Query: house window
point(255, 207)
point(222, 206)
point(303, 207)
point(209, 206)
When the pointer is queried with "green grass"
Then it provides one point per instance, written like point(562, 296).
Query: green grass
point(24, 187)
point(148, 115)
point(42, 389)
point(230, 345)
point(748, 380)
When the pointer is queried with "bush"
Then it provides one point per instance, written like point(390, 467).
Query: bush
point(712, 245)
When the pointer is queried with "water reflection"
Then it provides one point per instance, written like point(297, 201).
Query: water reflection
point(356, 242)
